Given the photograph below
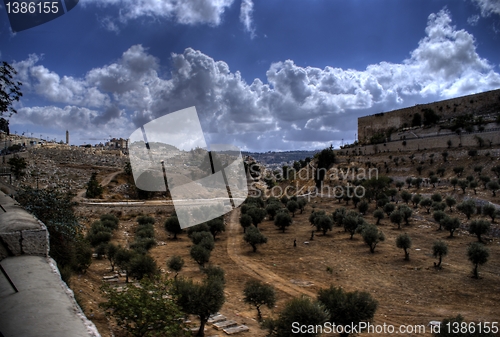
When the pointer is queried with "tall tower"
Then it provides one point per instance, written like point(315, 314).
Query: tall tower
point(67, 137)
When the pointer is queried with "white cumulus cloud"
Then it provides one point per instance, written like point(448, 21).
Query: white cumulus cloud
point(188, 12)
point(488, 7)
point(246, 11)
point(293, 107)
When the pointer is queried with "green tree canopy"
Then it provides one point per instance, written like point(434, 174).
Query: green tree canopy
point(55, 210)
point(326, 158)
point(479, 228)
point(254, 237)
point(372, 236)
point(439, 249)
point(282, 221)
point(200, 254)
point(301, 310)
point(200, 299)
point(10, 89)
point(144, 310)
point(175, 263)
point(216, 226)
point(346, 308)
point(259, 294)
point(478, 254)
point(292, 206)
point(94, 189)
point(245, 222)
point(173, 226)
point(403, 241)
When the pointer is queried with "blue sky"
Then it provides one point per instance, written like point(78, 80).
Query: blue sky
point(263, 75)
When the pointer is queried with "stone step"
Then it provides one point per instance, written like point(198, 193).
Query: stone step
point(217, 319)
point(225, 324)
point(236, 329)
point(110, 277)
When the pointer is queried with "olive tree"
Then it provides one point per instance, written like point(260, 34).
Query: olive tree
point(416, 198)
point(493, 186)
point(438, 216)
point(146, 309)
point(200, 299)
point(257, 214)
point(271, 210)
point(282, 221)
point(397, 217)
point(450, 224)
point(479, 227)
point(372, 236)
point(302, 204)
point(303, 310)
point(450, 202)
point(200, 254)
point(323, 223)
point(363, 207)
point(292, 206)
point(427, 204)
point(175, 263)
point(216, 226)
point(403, 241)
point(406, 212)
point(254, 237)
point(468, 208)
point(439, 249)
point(245, 222)
point(172, 226)
point(491, 211)
point(379, 215)
point(478, 254)
point(347, 308)
point(406, 196)
point(351, 222)
point(259, 294)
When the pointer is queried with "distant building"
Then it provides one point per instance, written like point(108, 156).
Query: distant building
point(117, 143)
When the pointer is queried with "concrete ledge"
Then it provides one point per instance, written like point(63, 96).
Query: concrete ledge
point(44, 305)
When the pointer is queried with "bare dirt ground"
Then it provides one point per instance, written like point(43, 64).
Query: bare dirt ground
point(408, 292)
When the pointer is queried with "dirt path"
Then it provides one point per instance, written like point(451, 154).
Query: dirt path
point(262, 273)
point(255, 269)
point(107, 179)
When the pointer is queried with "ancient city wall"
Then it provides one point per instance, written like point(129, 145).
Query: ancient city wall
point(434, 142)
point(478, 104)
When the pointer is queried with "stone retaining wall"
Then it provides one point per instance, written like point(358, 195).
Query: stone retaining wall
point(20, 232)
point(477, 104)
point(431, 143)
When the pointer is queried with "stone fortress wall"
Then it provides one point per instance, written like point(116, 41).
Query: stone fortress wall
point(478, 104)
point(437, 142)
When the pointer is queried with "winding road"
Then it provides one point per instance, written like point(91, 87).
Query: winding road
point(107, 179)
